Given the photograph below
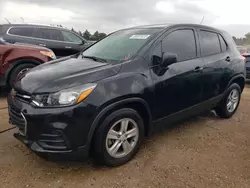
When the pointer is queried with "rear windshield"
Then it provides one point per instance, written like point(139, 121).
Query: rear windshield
point(121, 45)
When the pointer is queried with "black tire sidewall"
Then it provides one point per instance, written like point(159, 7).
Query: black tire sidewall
point(101, 153)
point(16, 70)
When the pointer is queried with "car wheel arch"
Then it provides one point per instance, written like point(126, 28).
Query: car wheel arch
point(239, 79)
point(15, 63)
point(142, 108)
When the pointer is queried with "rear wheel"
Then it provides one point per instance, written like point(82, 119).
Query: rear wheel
point(230, 103)
point(18, 71)
point(119, 138)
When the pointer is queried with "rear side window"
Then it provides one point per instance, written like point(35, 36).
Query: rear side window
point(70, 37)
point(182, 43)
point(49, 34)
point(210, 43)
point(22, 31)
point(223, 44)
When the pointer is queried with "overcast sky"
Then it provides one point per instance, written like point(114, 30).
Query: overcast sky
point(110, 15)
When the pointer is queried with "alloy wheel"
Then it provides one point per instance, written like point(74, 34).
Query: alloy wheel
point(122, 138)
point(233, 100)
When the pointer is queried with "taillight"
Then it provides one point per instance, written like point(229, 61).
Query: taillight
point(244, 58)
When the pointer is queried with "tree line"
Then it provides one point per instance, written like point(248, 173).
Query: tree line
point(88, 36)
point(243, 40)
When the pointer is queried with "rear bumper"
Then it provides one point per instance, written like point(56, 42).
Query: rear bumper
point(248, 74)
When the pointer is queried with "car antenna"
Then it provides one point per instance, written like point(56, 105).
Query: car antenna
point(22, 19)
point(202, 19)
point(7, 20)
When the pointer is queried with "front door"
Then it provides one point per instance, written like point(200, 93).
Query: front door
point(179, 87)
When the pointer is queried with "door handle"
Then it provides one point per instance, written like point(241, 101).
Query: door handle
point(198, 69)
point(42, 45)
point(68, 47)
point(228, 59)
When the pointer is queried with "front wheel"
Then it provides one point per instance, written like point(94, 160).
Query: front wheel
point(230, 103)
point(119, 138)
point(18, 71)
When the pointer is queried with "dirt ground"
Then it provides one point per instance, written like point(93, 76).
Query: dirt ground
point(202, 152)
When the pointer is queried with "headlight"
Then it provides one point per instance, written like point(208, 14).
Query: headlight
point(49, 54)
point(65, 97)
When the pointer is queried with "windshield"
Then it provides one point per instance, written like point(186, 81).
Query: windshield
point(121, 45)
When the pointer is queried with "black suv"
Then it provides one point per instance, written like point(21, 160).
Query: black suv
point(62, 41)
point(115, 92)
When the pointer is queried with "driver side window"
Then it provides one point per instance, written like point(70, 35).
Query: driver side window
point(182, 43)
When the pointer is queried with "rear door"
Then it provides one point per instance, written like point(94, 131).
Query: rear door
point(62, 43)
point(52, 39)
point(216, 59)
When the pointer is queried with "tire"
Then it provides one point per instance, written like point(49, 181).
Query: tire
point(101, 142)
point(222, 109)
point(18, 69)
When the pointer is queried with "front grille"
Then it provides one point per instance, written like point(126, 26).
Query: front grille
point(24, 98)
point(53, 140)
point(18, 119)
point(20, 95)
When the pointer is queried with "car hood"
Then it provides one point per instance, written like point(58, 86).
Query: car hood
point(28, 46)
point(64, 73)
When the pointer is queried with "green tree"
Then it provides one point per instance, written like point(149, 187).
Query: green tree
point(80, 33)
point(102, 35)
point(95, 36)
point(87, 35)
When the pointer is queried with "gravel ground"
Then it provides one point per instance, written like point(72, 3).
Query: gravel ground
point(202, 152)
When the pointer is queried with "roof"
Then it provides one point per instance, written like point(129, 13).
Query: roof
point(35, 25)
point(167, 25)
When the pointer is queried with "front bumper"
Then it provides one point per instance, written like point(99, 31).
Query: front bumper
point(34, 146)
point(52, 130)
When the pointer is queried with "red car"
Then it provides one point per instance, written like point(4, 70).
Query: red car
point(16, 59)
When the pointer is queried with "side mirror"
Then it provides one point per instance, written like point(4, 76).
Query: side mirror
point(83, 42)
point(168, 59)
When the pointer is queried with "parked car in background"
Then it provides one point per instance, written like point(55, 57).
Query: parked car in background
point(113, 94)
point(15, 59)
point(247, 56)
point(61, 41)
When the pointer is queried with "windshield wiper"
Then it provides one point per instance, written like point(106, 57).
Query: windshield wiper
point(95, 58)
